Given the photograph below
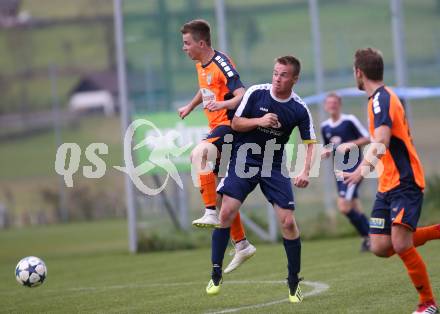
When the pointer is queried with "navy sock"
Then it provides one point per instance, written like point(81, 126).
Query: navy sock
point(359, 221)
point(365, 225)
point(220, 240)
point(293, 252)
point(216, 274)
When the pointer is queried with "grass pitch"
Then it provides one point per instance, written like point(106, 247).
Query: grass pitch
point(90, 271)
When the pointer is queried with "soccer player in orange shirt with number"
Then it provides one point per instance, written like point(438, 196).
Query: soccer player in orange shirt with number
point(220, 92)
point(398, 204)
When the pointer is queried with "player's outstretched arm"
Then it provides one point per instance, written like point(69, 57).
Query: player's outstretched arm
point(326, 152)
point(381, 142)
point(345, 147)
point(241, 124)
point(362, 141)
point(185, 110)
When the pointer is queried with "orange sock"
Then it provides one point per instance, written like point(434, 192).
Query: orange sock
point(237, 229)
point(417, 272)
point(423, 235)
point(208, 189)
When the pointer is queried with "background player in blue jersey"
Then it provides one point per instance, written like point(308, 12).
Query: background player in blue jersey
point(265, 120)
point(345, 132)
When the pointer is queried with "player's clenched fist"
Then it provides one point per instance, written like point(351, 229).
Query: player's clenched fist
point(269, 120)
point(301, 181)
point(184, 111)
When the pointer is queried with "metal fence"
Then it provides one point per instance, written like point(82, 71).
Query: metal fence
point(161, 78)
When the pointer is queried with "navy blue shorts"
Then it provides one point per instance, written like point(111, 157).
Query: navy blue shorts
point(401, 205)
point(347, 192)
point(217, 137)
point(276, 188)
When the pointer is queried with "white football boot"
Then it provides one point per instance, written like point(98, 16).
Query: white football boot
point(243, 251)
point(209, 220)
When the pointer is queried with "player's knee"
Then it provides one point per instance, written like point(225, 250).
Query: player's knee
point(379, 249)
point(196, 157)
point(344, 206)
point(226, 216)
point(202, 152)
point(379, 252)
point(198, 153)
point(400, 247)
point(344, 210)
point(288, 224)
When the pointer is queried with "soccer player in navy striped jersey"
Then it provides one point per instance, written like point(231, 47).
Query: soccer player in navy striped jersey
point(346, 133)
point(264, 122)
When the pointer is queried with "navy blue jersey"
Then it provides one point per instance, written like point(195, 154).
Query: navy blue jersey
point(346, 129)
point(292, 112)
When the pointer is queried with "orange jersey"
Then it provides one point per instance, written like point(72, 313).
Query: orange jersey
point(218, 79)
point(401, 162)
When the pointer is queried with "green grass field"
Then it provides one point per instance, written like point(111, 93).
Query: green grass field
point(89, 271)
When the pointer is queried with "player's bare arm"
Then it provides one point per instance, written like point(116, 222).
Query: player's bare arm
point(345, 147)
point(241, 124)
point(229, 104)
point(302, 180)
point(382, 136)
point(186, 110)
point(326, 152)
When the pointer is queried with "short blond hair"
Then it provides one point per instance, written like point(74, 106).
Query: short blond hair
point(293, 61)
point(199, 30)
point(334, 95)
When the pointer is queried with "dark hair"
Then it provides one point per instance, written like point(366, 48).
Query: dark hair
point(294, 62)
point(199, 30)
point(370, 62)
point(334, 95)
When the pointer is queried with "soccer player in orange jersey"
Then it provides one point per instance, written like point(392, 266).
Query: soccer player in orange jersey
point(398, 204)
point(220, 92)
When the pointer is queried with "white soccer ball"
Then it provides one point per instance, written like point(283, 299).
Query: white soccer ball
point(30, 271)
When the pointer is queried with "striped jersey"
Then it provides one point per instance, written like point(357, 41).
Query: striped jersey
point(346, 129)
point(292, 112)
point(401, 163)
point(218, 79)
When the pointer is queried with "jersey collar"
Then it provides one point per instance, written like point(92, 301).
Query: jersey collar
point(333, 124)
point(279, 99)
point(376, 91)
point(209, 62)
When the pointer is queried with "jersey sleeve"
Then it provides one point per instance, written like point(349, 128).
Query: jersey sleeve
point(234, 83)
point(306, 129)
point(381, 110)
point(231, 78)
point(245, 108)
point(358, 128)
